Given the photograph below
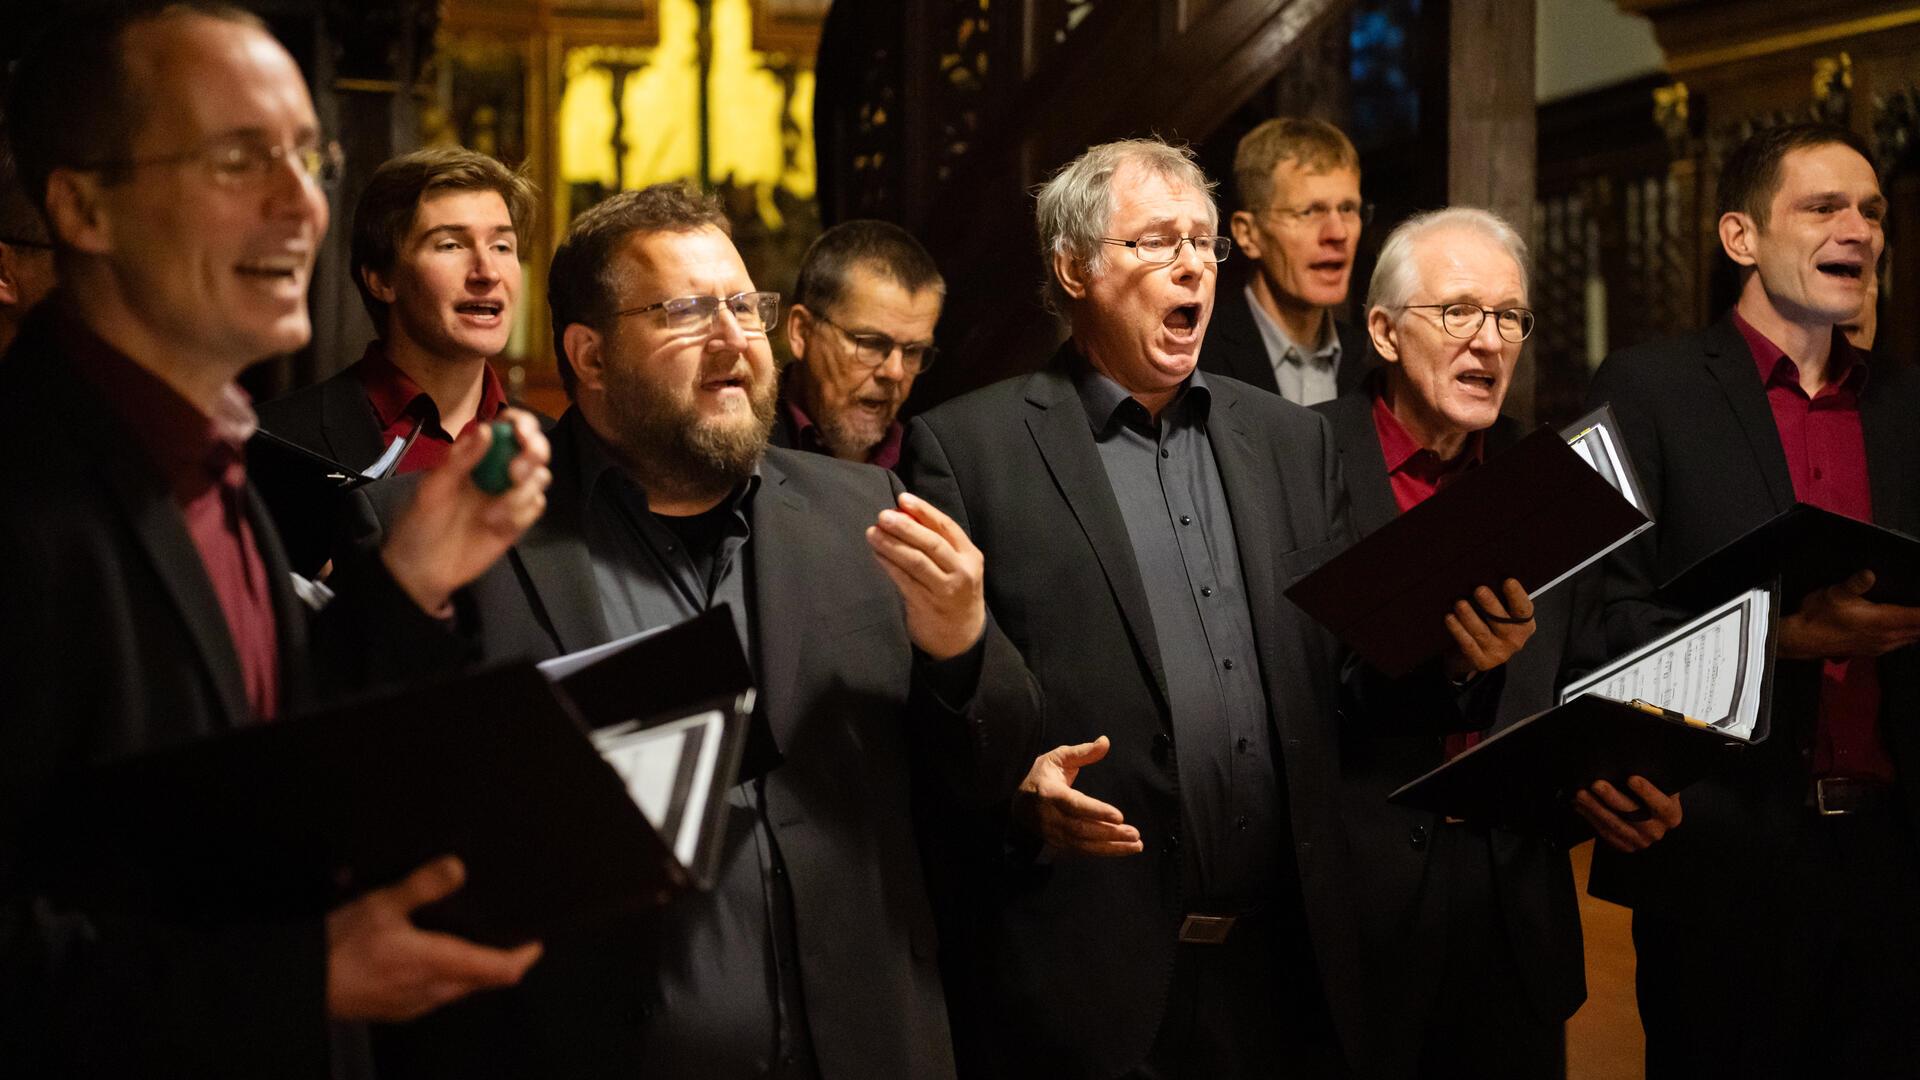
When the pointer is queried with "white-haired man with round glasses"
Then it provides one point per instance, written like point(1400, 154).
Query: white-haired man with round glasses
point(1471, 937)
point(1167, 894)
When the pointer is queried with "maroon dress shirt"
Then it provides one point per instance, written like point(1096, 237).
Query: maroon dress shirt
point(402, 407)
point(1826, 454)
point(201, 460)
point(1415, 473)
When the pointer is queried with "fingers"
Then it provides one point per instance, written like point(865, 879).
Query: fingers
point(469, 448)
point(1081, 754)
point(1622, 823)
point(469, 966)
point(1468, 646)
point(433, 881)
point(1860, 584)
point(1607, 828)
point(1518, 603)
point(1665, 807)
point(905, 532)
point(935, 519)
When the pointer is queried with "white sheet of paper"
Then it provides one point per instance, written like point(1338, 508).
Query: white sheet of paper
point(1700, 669)
point(562, 666)
point(649, 762)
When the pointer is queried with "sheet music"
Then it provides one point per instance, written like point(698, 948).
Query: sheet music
point(668, 770)
point(1711, 669)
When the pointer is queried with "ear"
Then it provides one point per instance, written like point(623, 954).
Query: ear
point(9, 278)
point(1245, 236)
point(1386, 339)
point(586, 355)
point(77, 214)
point(1072, 274)
point(799, 327)
point(1737, 236)
point(377, 285)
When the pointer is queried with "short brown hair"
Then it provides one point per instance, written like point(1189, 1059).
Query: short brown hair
point(1317, 145)
point(581, 286)
point(886, 248)
point(1751, 176)
point(73, 103)
point(393, 196)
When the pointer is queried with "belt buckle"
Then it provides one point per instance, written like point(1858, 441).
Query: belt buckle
point(1206, 929)
point(1842, 787)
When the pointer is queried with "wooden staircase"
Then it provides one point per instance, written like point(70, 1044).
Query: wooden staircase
point(942, 116)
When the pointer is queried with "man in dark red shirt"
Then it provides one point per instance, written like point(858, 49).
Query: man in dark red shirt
point(436, 255)
point(178, 160)
point(1472, 935)
point(1775, 929)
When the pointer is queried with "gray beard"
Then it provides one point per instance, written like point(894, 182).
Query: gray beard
point(851, 439)
point(677, 457)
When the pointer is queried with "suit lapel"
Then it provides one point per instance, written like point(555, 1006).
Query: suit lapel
point(1058, 424)
point(1731, 363)
point(1362, 463)
point(1881, 423)
point(1235, 339)
point(781, 600)
point(553, 555)
point(348, 424)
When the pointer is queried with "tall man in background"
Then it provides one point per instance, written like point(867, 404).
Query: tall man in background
point(1299, 185)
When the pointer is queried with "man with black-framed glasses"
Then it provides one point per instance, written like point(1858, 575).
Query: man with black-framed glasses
point(861, 331)
point(1299, 225)
point(26, 254)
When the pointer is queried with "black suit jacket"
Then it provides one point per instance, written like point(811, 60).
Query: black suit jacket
point(113, 643)
point(1071, 960)
point(838, 693)
point(1697, 424)
point(331, 417)
point(1233, 346)
point(1404, 919)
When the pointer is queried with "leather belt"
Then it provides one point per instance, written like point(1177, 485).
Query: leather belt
point(1841, 796)
point(1213, 928)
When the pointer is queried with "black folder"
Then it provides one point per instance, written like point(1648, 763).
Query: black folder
point(306, 494)
point(1525, 777)
point(1534, 513)
point(1807, 548)
point(292, 818)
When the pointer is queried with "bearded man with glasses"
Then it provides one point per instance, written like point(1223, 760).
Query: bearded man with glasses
point(1299, 224)
point(882, 682)
point(861, 331)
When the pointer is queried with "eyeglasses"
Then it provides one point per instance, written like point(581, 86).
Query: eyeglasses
point(754, 312)
point(1158, 249)
point(242, 161)
point(1465, 320)
point(872, 350)
point(1318, 214)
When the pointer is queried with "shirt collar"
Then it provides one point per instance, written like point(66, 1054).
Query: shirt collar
point(1404, 453)
point(1106, 400)
point(1325, 355)
point(1847, 365)
point(191, 449)
point(394, 394)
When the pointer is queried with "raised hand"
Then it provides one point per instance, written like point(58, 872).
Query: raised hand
point(940, 575)
point(1067, 820)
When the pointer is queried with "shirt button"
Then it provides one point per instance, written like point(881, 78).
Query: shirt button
point(1228, 664)
point(779, 871)
point(1206, 590)
point(1185, 520)
point(1241, 823)
point(1241, 746)
point(1165, 453)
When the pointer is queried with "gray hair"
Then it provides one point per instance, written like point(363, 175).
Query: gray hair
point(1394, 276)
point(1077, 203)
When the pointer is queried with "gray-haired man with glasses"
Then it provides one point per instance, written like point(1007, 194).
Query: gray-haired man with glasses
point(865, 306)
point(1299, 225)
point(863, 613)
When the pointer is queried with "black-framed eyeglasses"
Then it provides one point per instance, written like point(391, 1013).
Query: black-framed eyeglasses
point(755, 312)
point(1158, 249)
point(873, 350)
point(1465, 320)
point(1316, 215)
point(240, 161)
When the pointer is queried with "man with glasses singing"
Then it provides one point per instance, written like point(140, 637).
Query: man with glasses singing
point(175, 153)
point(862, 611)
point(1299, 183)
point(1169, 893)
point(26, 255)
point(861, 330)
point(1471, 936)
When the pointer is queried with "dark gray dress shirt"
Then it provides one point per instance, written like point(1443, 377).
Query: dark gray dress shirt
point(1168, 487)
point(726, 975)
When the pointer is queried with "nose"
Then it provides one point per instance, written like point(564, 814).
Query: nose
point(292, 190)
point(725, 332)
point(1187, 263)
point(484, 268)
point(1336, 230)
point(1856, 226)
point(894, 367)
point(1487, 339)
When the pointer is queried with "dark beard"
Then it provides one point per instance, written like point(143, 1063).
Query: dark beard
point(675, 456)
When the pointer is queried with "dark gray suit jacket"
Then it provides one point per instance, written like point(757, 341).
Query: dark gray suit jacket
point(1404, 919)
point(1233, 346)
point(1701, 434)
point(1070, 961)
point(853, 726)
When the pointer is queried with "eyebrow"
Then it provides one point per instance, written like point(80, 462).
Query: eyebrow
point(458, 227)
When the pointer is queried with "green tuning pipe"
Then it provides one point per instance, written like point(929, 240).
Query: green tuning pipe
point(490, 475)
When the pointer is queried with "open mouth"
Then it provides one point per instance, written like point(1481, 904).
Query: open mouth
point(277, 268)
point(1842, 269)
point(1477, 380)
point(724, 383)
point(481, 309)
point(1183, 318)
point(1329, 266)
